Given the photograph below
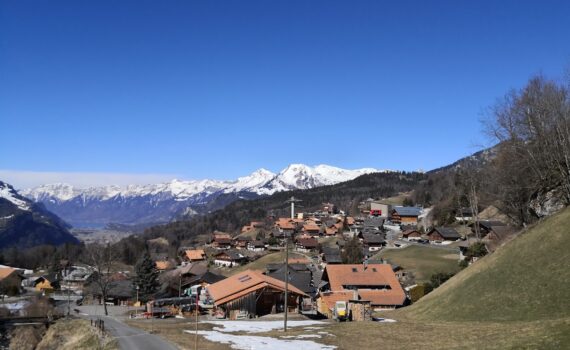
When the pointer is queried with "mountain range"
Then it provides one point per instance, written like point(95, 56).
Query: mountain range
point(160, 203)
point(24, 223)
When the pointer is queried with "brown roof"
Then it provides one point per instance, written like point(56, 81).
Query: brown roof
point(375, 275)
point(163, 265)
point(308, 242)
point(331, 230)
point(5, 272)
point(409, 232)
point(350, 220)
point(381, 296)
point(195, 254)
point(244, 283)
point(311, 227)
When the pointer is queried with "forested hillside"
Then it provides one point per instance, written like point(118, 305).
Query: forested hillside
point(345, 195)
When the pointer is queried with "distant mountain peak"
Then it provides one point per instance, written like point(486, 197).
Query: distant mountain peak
point(153, 202)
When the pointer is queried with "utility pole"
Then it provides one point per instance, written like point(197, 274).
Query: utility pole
point(286, 280)
point(291, 200)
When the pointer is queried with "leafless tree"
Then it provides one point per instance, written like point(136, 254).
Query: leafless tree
point(533, 128)
point(103, 258)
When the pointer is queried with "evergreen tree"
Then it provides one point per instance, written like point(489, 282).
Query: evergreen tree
point(352, 253)
point(146, 277)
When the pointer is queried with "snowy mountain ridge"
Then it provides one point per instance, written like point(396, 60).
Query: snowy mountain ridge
point(164, 202)
point(261, 182)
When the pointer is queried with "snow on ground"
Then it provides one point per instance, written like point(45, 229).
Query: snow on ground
point(250, 342)
point(258, 326)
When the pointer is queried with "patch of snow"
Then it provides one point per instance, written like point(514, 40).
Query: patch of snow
point(249, 342)
point(8, 193)
point(257, 326)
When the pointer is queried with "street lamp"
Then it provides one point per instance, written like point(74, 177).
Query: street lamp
point(137, 288)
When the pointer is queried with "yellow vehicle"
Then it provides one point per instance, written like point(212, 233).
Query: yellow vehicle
point(340, 312)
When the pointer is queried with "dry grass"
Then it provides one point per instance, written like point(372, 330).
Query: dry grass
point(527, 279)
point(173, 331)
point(423, 261)
point(26, 337)
point(75, 334)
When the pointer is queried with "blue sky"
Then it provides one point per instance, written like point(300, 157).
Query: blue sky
point(217, 89)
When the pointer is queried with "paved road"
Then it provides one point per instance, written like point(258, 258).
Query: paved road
point(129, 338)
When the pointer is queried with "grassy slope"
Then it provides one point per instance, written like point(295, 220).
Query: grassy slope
point(422, 261)
point(527, 279)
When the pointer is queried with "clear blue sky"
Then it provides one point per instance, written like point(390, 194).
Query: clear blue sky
point(217, 89)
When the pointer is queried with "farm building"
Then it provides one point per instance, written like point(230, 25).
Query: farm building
point(251, 293)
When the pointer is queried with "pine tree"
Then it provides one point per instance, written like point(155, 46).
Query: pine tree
point(146, 277)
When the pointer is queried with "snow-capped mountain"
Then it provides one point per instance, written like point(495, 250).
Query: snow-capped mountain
point(136, 204)
point(24, 223)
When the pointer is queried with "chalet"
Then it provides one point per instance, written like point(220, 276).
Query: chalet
point(204, 280)
point(252, 294)
point(229, 258)
point(118, 292)
point(311, 229)
point(405, 215)
point(374, 242)
point(193, 255)
point(300, 276)
point(464, 215)
point(499, 233)
point(10, 281)
point(443, 234)
point(241, 242)
point(412, 234)
point(256, 246)
point(222, 243)
point(331, 255)
point(306, 244)
point(47, 283)
point(375, 283)
point(486, 226)
point(75, 277)
point(285, 225)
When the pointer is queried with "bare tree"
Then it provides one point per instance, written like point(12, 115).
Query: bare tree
point(533, 128)
point(103, 259)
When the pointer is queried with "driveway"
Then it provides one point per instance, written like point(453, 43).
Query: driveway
point(129, 338)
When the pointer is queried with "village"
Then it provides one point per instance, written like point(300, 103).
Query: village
point(319, 265)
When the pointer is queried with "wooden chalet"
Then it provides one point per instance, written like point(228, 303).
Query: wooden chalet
point(411, 234)
point(405, 215)
point(229, 258)
point(443, 234)
point(252, 294)
point(306, 244)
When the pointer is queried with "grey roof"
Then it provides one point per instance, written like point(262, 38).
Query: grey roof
point(373, 238)
point(447, 232)
point(300, 279)
point(373, 222)
point(408, 211)
point(487, 224)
